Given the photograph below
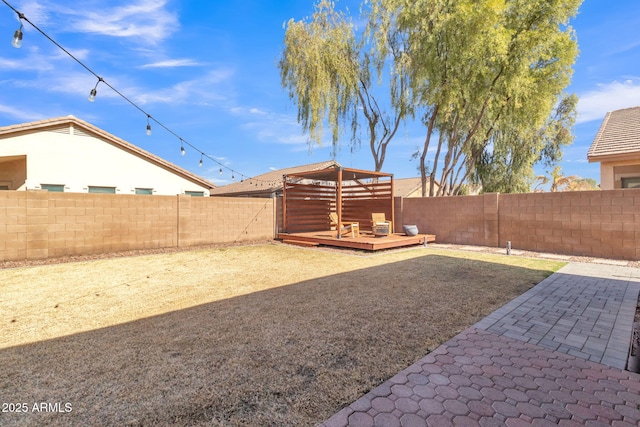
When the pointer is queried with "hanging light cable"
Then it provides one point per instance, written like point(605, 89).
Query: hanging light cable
point(17, 36)
point(17, 42)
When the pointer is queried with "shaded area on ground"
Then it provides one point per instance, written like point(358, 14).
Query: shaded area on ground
point(287, 356)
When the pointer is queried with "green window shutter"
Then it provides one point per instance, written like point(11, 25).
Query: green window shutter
point(144, 190)
point(53, 188)
point(102, 190)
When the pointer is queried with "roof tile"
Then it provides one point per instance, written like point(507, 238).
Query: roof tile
point(267, 182)
point(619, 134)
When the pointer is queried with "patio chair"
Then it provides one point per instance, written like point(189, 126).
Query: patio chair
point(345, 227)
point(380, 225)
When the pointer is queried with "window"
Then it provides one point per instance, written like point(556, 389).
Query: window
point(631, 182)
point(144, 190)
point(194, 193)
point(53, 188)
point(102, 190)
point(4, 187)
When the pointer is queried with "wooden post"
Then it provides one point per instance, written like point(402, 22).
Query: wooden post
point(284, 203)
point(393, 219)
point(339, 203)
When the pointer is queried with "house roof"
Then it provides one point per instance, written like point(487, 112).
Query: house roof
point(618, 137)
point(60, 122)
point(405, 186)
point(331, 173)
point(268, 182)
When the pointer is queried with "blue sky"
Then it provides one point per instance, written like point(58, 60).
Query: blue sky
point(208, 71)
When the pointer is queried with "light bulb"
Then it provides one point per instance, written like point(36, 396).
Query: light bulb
point(182, 150)
point(148, 129)
point(220, 171)
point(92, 95)
point(200, 164)
point(17, 38)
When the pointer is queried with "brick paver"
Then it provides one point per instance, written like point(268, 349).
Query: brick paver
point(585, 310)
point(550, 357)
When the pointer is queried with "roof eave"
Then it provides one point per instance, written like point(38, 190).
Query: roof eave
point(601, 158)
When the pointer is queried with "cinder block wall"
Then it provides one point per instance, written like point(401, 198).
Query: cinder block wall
point(591, 223)
point(465, 220)
point(206, 220)
point(39, 224)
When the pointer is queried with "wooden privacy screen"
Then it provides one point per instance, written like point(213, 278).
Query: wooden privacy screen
point(310, 197)
point(308, 206)
point(360, 201)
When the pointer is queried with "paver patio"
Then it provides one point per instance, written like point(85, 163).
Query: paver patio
point(553, 356)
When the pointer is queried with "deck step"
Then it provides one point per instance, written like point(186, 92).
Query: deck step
point(300, 243)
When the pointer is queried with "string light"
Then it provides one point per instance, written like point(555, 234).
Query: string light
point(17, 36)
point(94, 92)
point(220, 171)
point(17, 42)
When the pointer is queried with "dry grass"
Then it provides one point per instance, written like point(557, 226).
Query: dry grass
point(257, 335)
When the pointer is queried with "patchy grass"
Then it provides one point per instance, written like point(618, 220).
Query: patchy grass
point(256, 335)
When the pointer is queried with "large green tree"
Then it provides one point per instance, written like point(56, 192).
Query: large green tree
point(336, 81)
point(506, 165)
point(477, 67)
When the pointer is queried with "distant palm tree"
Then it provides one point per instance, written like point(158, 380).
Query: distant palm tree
point(542, 181)
point(559, 182)
point(583, 184)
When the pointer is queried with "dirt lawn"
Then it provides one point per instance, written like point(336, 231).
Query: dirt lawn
point(264, 335)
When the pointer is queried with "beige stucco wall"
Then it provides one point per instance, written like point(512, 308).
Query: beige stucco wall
point(80, 160)
point(611, 173)
point(13, 172)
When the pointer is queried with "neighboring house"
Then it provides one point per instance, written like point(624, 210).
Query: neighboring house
point(68, 154)
point(617, 148)
point(268, 184)
point(410, 187)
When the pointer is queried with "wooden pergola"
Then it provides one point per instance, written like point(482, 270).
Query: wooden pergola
point(353, 194)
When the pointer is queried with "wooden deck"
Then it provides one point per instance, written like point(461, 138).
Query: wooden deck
point(365, 241)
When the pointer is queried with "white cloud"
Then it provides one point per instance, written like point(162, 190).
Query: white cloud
point(143, 20)
point(208, 87)
point(171, 63)
point(10, 64)
point(36, 12)
point(594, 104)
point(20, 115)
point(247, 111)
